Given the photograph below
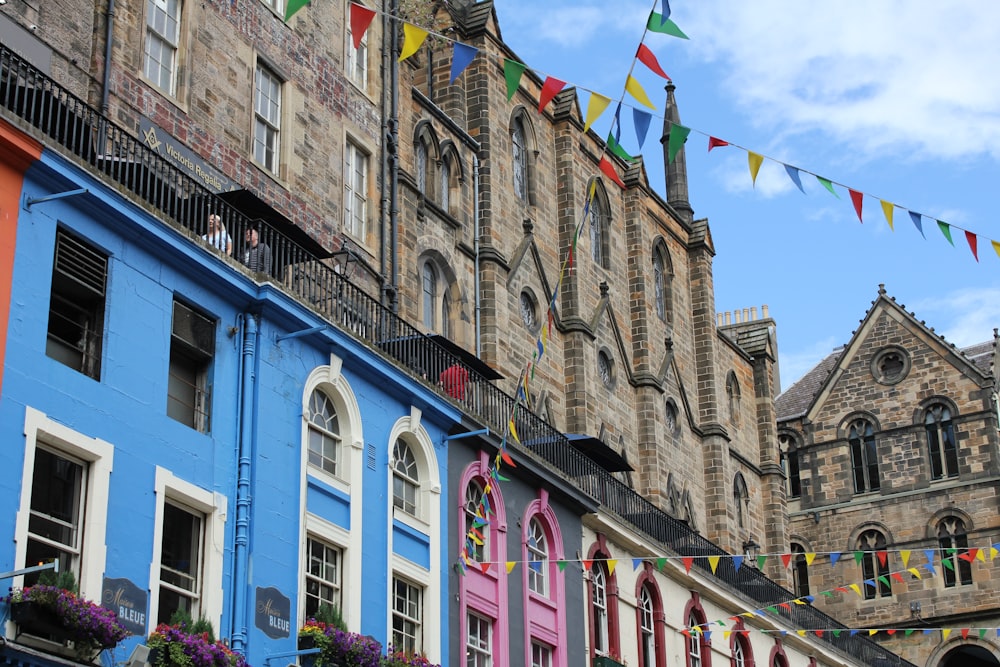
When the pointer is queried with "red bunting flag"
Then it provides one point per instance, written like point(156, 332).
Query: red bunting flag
point(361, 18)
point(688, 562)
point(786, 559)
point(506, 458)
point(856, 197)
point(971, 240)
point(882, 557)
point(970, 555)
point(608, 170)
point(588, 564)
point(647, 58)
point(485, 567)
point(551, 86)
point(713, 142)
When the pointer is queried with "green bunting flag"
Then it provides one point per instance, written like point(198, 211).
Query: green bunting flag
point(659, 24)
point(826, 183)
point(512, 71)
point(678, 135)
point(294, 6)
point(946, 230)
point(616, 149)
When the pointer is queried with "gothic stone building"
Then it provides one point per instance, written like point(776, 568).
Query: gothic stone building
point(891, 449)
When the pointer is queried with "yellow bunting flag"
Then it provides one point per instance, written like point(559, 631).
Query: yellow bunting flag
point(611, 566)
point(810, 557)
point(413, 38)
point(800, 633)
point(510, 565)
point(905, 555)
point(755, 160)
point(856, 589)
point(993, 550)
point(713, 562)
point(872, 632)
point(597, 105)
point(513, 431)
point(945, 632)
point(981, 555)
point(887, 210)
point(636, 91)
point(726, 633)
point(996, 247)
point(914, 571)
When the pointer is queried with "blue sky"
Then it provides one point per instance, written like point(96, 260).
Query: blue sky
point(899, 99)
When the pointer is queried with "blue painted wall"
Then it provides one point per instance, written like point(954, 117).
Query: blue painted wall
point(150, 264)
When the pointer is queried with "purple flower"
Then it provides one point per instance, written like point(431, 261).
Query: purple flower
point(85, 622)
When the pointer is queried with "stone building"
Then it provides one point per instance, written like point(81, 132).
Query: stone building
point(891, 449)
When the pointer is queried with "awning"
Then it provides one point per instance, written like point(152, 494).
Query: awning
point(426, 354)
point(600, 453)
point(255, 208)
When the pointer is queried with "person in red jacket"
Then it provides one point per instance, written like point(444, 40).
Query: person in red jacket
point(453, 380)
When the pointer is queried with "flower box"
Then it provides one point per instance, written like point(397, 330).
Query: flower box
point(605, 661)
point(38, 619)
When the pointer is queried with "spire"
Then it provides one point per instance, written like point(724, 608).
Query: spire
point(676, 171)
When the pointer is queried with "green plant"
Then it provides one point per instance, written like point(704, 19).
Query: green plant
point(65, 580)
point(182, 618)
point(177, 646)
point(341, 648)
point(329, 614)
point(91, 627)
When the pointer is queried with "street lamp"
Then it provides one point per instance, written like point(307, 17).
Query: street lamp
point(751, 550)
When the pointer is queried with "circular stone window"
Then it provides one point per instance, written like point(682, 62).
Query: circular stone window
point(606, 369)
point(529, 311)
point(890, 365)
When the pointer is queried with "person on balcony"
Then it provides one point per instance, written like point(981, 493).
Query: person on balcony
point(217, 236)
point(256, 255)
point(453, 381)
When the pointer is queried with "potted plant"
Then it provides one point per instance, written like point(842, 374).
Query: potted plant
point(338, 647)
point(50, 611)
point(394, 658)
point(190, 645)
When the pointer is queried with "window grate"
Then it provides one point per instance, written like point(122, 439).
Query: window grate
point(371, 456)
point(81, 263)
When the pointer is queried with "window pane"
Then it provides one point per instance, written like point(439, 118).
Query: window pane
point(57, 501)
point(322, 576)
point(180, 562)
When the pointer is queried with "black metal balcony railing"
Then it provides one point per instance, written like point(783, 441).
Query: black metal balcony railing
point(29, 97)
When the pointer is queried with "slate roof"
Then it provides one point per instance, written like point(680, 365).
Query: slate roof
point(795, 401)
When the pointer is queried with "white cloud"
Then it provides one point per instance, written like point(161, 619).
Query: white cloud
point(794, 364)
point(892, 76)
point(964, 317)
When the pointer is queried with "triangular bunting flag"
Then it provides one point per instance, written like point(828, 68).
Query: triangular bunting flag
point(946, 230)
point(595, 107)
point(506, 458)
point(834, 557)
point(678, 134)
point(641, 120)
point(461, 57)
point(512, 72)
point(929, 554)
point(914, 571)
point(661, 563)
point(970, 238)
point(945, 632)
point(636, 562)
point(413, 38)
point(856, 589)
point(885, 581)
point(688, 562)
point(588, 564)
point(713, 142)
point(858, 555)
point(616, 149)
point(872, 632)
point(361, 18)
point(634, 89)
point(828, 184)
point(737, 561)
point(904, 554)
point(793, 173)
point(510, 565)
point(761, 559)
point(755, 160)
point(294, 6)
point(713, 562)
point(996, 247)
point(856, 198)
point(665, 12)
point(882, 556)
point(786, 559)
point(612, 564)
point(981, 554)
point(965, 633)
point(551, 86)
point(618, 122)
point(915, 217)
point(608, 170)
point(658, 23)
point(810, 557)
point(897, 576)
point(485, 567)
point(887, 208)
point(561, 564)
point(647, 58)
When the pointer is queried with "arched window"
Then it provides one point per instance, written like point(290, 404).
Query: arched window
point(740, 648)
point(662, 282)
point(874, 564)
point(790, 465)
point(478, 542)
point(599, 222)
point(698, 651)
point(599, 608)
point(864, 456)
point(405, 478)
point(954, 543)
point(943, 449)
point(538, 556)
point(422, 166)
point(519, 154)
point(444, 184)
point(650, 621)
point(800, 571)
point(429, 284)
point(324, 433)
point(733, 394)
point(741, 499)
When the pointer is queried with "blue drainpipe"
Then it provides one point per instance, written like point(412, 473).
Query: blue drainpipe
point(247, 436)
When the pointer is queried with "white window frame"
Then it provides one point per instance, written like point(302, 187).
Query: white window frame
point(476, 644)
point(538, 553)
point(212, 506)
point(357, 162)
point(169, 44)
point(318, 528)
point(599, 604)
point(356, 60)
point(307, 575)
point(407, 473)
point(98, 455)
point(312, 427)
point(277, 6)
point(268, 119)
